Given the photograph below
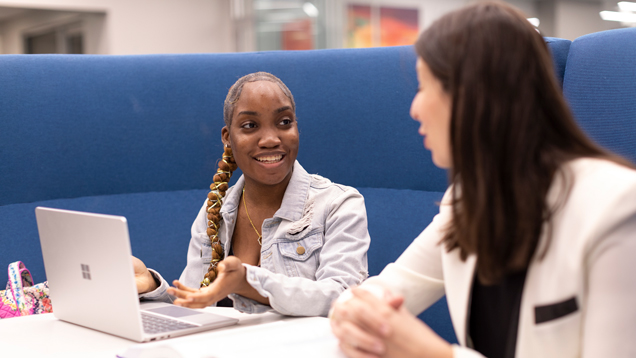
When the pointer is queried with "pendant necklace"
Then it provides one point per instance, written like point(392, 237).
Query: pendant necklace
point(260, 237)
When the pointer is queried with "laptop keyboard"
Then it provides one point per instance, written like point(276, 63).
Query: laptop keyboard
point(155, 324)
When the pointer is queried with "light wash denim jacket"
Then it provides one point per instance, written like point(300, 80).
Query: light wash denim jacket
point(328, 220)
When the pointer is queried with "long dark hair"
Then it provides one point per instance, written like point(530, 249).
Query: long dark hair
point(511, 132)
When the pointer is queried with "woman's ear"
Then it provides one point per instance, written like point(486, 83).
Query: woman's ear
point(225, 136)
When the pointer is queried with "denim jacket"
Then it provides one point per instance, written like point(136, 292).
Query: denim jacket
point(327, 220)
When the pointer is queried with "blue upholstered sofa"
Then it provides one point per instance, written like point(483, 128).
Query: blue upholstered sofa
point(139, 136)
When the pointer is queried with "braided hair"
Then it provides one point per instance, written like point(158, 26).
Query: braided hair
point(227, 166)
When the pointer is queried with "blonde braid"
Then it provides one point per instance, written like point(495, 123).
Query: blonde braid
point(227, 165)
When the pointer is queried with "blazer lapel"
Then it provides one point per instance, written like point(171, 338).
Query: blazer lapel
point(458, 280)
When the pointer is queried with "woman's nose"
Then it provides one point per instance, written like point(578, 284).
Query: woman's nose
point(412, 110)
point(269, 138)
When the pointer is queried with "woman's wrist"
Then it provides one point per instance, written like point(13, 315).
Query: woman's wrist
point(156, 280)
point(152, 282)
point(242, 286)
point(440, 349)
point(246, 290)
point(445, 351)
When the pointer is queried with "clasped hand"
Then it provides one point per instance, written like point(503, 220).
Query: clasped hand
point(369, 326)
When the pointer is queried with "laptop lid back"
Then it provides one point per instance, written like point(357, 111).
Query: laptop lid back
point(87, 258)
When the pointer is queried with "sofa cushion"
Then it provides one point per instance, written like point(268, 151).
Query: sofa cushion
point(158, 222)
point(396, 218)
point(159, 226)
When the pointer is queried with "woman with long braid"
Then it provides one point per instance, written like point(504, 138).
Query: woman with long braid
point(279, 238)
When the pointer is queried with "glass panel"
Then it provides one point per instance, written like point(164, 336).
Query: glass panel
point(45, 43)
point(289, 25)
point(74, 44)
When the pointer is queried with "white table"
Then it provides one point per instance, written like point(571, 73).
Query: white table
point(261, 335)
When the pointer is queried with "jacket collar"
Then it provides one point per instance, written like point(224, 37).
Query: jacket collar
point(293, 201)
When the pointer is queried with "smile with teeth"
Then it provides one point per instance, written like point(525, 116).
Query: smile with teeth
point(270, 159)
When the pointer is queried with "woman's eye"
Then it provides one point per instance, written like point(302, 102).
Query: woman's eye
point(286, 122)
point(248, 125)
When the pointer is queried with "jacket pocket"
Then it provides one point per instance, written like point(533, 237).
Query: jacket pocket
point(300, 257)
point(546, 313)
point(302, 249)
point(557, 329)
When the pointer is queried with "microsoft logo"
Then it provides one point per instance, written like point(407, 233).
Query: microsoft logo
point(86, 272)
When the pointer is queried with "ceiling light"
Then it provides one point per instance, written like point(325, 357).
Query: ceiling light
point(618, 16)
point(627, 6)
point(310, 9)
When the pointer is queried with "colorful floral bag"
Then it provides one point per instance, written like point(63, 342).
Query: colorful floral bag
point(22, 298)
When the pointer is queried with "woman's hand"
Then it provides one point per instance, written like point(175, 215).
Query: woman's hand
point(230, 279)
point(368, 326)
point(143, 278)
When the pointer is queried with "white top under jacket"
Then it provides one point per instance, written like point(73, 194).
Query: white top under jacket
point(591, 261)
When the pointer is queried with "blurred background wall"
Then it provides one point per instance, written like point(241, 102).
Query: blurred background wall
point(196, 26)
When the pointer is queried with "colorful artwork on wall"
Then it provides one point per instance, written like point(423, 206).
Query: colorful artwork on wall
point(369, 26)
point(359, 33)
point(398, 26)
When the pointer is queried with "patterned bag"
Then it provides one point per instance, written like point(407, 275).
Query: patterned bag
point(22, 298)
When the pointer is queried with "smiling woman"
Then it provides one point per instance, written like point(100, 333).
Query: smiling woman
point(279, 238)
point(265, 134)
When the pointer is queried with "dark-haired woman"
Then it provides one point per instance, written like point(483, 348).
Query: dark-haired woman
point(279, 238)
point(535, 241)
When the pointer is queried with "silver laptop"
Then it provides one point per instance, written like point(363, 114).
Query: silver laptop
point(87, 258)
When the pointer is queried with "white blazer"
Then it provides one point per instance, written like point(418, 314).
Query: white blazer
point(578, 301)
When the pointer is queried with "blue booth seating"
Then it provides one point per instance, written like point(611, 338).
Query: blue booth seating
point(139, 136)
point(600, 85)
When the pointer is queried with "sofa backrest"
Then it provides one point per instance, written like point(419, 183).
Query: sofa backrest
point(74, 126)
point(82, 125)
point(600, 85)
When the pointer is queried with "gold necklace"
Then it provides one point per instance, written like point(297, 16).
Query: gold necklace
point(260, 237)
